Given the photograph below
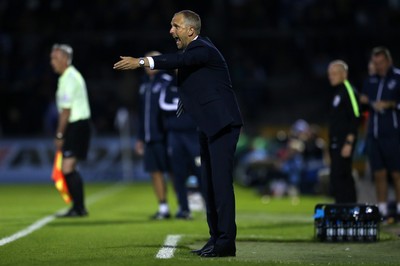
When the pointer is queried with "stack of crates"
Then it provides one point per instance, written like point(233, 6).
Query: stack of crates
point(346, 222)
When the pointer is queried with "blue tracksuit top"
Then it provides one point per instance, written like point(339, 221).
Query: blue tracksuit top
point(151, 126)
point(169, 98)
point(384, 124)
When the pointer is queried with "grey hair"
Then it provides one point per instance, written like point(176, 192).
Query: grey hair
point(340, 63)
point(66, 49)
point(192, 19)
point(382, 50)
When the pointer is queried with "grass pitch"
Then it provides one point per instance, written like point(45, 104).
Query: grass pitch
point(118, 231)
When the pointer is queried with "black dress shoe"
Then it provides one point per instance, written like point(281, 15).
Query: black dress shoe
point(216, 253)
point(203, 249)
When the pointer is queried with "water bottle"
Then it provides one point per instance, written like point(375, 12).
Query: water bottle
point(360, 226)
point(372, 223)
point(319, 220)
point(371, 231)
point(333, 217)
point(340, 232)
point(350, 230)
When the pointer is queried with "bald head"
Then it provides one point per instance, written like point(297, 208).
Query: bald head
point(337, 72)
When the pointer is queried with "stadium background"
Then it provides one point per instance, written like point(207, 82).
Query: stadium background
point(277, 52)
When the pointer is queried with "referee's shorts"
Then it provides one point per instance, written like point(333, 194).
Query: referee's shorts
point(76, 140)
point(384, 153)
point(155, 157)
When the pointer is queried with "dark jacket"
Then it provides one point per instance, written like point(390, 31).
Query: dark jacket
point(342, 120)
point(204, 84)
point(384, 124)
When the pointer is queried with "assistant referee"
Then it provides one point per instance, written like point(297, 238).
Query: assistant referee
point(73, 130)
point(343, 129)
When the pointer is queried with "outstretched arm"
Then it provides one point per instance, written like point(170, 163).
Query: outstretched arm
point(127, 63)
point(196, 55)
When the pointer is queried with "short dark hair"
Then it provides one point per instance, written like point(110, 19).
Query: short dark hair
point(382, 50)
point(191, 19)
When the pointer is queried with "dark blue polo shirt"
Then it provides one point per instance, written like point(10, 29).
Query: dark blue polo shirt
point(384, 124)
point(151, 126)
point(169, 98)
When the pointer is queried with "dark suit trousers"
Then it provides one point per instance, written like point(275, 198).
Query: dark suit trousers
point(217, 157)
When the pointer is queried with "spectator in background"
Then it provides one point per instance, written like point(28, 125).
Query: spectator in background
point(183, 148)
point(303, 158)
point(363, 95)
point(343, 127)
point(364, 104)
point(293, 164)
point(73, 130)
point(382, 94)
point(152, 135)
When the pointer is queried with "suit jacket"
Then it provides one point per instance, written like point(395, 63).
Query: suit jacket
point(205, 86)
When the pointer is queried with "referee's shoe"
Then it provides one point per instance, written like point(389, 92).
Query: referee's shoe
point(74, 213)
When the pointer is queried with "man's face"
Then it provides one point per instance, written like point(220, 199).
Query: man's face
point(58, 61)
point(181, 32)
point(381, 63)
point(336, 75)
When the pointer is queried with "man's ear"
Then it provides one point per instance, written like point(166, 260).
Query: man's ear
point(191, 31)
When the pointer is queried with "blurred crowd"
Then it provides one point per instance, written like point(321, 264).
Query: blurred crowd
point(277, 52)
point(294, 161)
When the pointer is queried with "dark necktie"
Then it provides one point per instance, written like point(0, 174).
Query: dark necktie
point(180, 109)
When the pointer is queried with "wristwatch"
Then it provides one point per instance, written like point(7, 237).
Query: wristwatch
point(141, 62)
point(59, 135)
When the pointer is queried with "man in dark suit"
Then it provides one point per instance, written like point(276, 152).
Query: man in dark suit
point(206, 95)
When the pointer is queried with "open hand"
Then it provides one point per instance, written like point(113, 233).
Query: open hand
point(380, 106)
point(346, 150)
point(127, 63)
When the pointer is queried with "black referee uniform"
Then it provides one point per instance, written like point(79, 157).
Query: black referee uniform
point(343, 120)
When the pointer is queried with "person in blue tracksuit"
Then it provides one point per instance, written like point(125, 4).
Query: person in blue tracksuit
point(151, 141)
point(382, 94)
point(182, 145)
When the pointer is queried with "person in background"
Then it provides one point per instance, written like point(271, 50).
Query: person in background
point(343, 129)
point(73, 128)
point(382, 94)
point(151, 142)
point(182, 146)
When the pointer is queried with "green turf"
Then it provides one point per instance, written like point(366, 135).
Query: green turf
point(119, 232)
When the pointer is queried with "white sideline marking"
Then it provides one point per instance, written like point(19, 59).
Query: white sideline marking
point(168, 249)
point(33, 227)
point(42, 222)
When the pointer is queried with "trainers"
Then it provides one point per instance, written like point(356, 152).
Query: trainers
point(184, 215)
point(196, 202)
point(161, 216)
